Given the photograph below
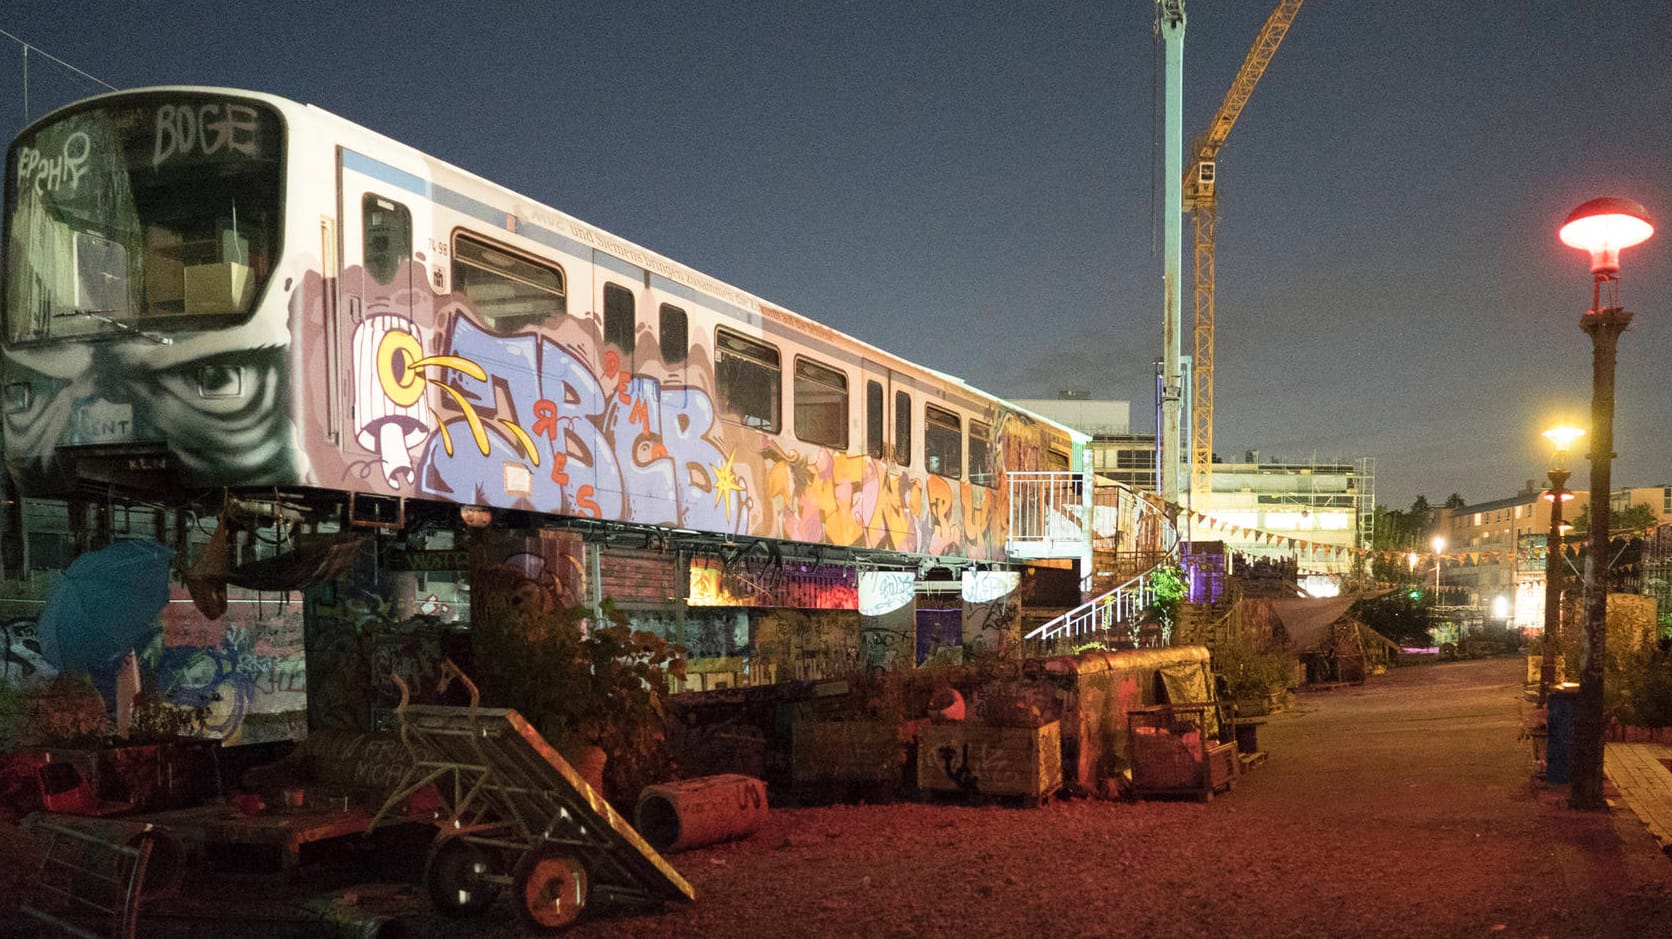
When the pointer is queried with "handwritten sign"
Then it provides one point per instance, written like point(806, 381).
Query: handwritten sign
point(205, 130)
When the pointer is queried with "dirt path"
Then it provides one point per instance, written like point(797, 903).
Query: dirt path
point(1402, 808)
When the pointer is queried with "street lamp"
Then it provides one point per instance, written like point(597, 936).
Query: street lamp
point(1438, 544)
point(1561, 436)
point(1602, 227)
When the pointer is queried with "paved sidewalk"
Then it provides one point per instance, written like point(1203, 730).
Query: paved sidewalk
point(1644, 780)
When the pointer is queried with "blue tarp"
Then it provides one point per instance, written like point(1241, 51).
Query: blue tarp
point(105, 605)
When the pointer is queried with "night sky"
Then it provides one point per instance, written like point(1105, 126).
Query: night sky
point(974, 185)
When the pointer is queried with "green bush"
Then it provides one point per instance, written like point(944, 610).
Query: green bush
point(1638, 687)
point(1636, 683)
point(1251, 670)
point(605, 686)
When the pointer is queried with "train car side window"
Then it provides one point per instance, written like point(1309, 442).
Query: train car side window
point(674, 333)
point(943, 442)
point(821, 404)
point(748, 380)
point(981, 455)
point(873, 419)
point(508, 290)
point(619, 319)
point(386, 228)
point(902, 428)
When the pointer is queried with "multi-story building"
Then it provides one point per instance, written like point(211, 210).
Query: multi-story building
point(1657, 498)
point(1115, 452)
point(1494, 551)
point(1314, 512)
point(1497, 550)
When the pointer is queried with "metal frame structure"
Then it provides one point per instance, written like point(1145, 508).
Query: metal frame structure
point(85, 881)
point(515, 813)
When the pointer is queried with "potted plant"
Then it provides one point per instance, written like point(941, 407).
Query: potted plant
point(589, 682)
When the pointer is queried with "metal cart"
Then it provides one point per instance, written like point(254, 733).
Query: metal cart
point(516, 814)
point(1177, 750)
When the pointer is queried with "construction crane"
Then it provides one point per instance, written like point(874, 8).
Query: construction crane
point(1201, 201)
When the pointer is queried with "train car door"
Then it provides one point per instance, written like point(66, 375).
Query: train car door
point(887, 400)
point(384, 285)
point(877, 413)
point(638, 468)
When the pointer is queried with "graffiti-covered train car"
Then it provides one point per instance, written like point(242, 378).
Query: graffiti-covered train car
point(213, 290)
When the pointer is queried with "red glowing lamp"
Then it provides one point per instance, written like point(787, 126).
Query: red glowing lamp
point(1604, 227)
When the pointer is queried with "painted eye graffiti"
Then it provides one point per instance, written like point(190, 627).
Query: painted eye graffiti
point(220, 381)
point(222, 385)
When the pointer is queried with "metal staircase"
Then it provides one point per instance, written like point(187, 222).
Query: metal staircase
point(1128, 535)
point(1113, 617)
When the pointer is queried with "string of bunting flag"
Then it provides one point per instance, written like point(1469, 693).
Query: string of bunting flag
point(1315, 549)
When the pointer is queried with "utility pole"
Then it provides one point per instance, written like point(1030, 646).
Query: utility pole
point(1169, 25)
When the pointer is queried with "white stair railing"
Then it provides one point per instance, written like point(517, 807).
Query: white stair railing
point(1047, 507)
point(1104, 616)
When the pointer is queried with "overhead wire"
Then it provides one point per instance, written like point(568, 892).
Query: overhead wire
point(31, 47)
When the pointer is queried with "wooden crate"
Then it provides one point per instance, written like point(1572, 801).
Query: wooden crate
point(994, 761)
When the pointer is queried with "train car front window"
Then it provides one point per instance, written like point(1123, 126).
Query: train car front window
point(140, 215)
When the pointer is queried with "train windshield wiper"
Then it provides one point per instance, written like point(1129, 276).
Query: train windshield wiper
point(104, 316)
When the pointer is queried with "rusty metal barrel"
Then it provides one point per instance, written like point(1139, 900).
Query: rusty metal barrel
point(691, 813)
point(167, 865)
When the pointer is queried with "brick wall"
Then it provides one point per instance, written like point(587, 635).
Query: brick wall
point(638, 578)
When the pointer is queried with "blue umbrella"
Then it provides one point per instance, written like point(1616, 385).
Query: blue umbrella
point(104, 605)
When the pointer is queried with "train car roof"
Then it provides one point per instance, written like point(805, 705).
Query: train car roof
point(765, 308)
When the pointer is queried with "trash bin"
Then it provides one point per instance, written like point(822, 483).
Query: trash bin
point(1564, 707)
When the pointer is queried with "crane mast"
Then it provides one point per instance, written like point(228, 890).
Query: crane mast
point(1201, 200)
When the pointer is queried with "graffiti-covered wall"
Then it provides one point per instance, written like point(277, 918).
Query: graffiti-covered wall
point(992, 619)
point(247, 667)
point(887, 619)
point(244, 673)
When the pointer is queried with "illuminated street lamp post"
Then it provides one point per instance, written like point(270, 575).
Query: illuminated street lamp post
point(1602, 227)
point(1438, 544)
point(1562, 437)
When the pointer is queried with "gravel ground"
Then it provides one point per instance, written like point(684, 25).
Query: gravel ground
point(1402, 808)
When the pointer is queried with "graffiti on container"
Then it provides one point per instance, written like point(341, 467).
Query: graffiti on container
point(356, 643)
point(339, 640)
point(246, 673)
point(960, 774)
point(24, 667)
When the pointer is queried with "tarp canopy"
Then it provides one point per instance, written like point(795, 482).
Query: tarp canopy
point(1308, 622)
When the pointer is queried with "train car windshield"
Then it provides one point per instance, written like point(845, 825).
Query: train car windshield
point(149, 213)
